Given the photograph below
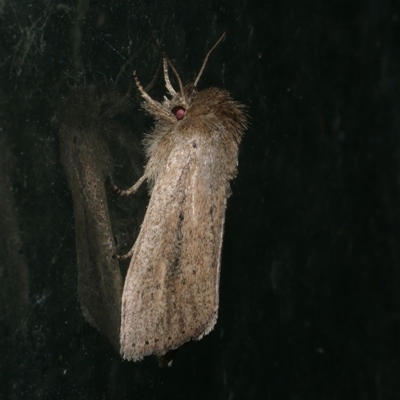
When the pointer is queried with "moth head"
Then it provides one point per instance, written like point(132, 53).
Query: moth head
point(173, 109)
point(179, 112)
point(181, 100)
point(180, 103)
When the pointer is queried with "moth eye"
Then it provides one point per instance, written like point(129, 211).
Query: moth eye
point(179, 112)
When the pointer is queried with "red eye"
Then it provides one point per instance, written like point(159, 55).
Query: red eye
point(179, 112)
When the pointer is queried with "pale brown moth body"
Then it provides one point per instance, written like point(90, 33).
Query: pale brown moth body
point(171, 289)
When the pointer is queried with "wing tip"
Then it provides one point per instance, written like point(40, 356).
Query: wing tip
point(133, 352)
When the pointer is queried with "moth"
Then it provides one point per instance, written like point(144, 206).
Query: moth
point(170, 294)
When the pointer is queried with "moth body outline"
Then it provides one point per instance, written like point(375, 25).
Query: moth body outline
point(171, 291)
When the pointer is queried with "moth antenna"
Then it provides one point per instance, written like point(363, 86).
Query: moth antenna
point(168, 85)
point(206, 59)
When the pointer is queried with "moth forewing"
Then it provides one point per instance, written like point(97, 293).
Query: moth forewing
point(171, 290)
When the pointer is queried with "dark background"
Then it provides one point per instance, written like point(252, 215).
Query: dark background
point(309, 297)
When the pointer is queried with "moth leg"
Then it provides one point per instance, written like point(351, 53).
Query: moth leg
point(124, 256)
point(168, 85)
point(132, 189)
point(127, 192)
point(157, 106)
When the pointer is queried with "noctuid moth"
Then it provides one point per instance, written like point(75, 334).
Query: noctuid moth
point(171, 289)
